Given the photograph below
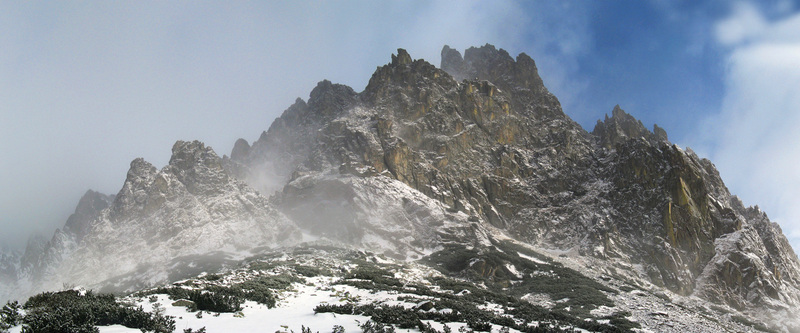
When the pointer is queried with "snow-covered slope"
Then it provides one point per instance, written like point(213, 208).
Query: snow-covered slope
point(322, 287)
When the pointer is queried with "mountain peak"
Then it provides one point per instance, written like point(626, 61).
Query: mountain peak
point(89, 207)
point(188, 154)
point(140, 168)
point(330, 98)
point(494, 65)
point(622, 126)
point(402, 73)
point(198, 167)
point(452, 62)
point(240, 149)
point(402, 58)
point(461, 159)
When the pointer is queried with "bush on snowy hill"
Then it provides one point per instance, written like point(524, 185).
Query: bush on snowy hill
point(78, 311)
point(10, 315)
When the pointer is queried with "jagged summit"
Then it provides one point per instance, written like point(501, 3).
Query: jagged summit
point(328, 98)
point(418, 76)
point(622, 126)
point(79, 223)
point(494, 65)
point(402, 58)
point(199, 168)
point(240, 149)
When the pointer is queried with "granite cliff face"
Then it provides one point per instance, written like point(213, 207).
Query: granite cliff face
point(483, 138)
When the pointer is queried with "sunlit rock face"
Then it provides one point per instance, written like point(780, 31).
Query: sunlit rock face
point(480, 144)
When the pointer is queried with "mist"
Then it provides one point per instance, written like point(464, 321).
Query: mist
point(87, 87)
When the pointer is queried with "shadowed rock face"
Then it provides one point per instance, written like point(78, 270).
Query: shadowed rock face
point(89, 207)
point(483, 138)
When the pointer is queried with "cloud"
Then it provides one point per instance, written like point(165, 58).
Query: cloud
point(757, 136)
point(745, 23)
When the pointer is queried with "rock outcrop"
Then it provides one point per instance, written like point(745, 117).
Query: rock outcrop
point(622, 127)
point(42, 256)
point(9, 260)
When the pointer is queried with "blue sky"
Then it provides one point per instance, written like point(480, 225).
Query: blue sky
point(86, 87)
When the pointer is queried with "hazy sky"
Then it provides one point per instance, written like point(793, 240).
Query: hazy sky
point(86, 87)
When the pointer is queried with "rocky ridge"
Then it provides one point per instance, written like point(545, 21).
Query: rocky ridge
point(497, 147)
point(191, 207)
point(190, 215)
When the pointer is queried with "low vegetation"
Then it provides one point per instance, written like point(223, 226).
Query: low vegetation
point(220, 298)
point(501, 268)
point(75, 311)
point(483, 289)
point(462, 295)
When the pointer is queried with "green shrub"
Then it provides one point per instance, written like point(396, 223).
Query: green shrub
point(72, 311)
point(310, 271)
point(373, 327)
point(10, 315)
point(204, 300)
point(212, 277)
point(489, 267)
point(229, 299)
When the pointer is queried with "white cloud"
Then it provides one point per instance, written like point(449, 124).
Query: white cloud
point(757, 137)
point(745, 23)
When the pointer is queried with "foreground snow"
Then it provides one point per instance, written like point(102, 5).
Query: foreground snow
point(294, 311)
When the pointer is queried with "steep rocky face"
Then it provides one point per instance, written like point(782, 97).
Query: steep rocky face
point(42, 255)
point(9, 260)
point(90, 205)
point(272, 159)
point(675, 207)
point(163, 224)
point(9, 266)
point(753, 265)
point(37, 264)
point(460, 143)
point(487, 142)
